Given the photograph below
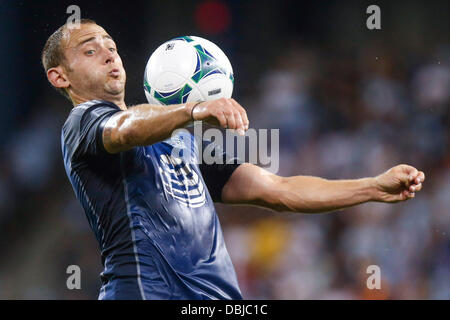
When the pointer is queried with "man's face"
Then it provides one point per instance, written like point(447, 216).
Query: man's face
point(93, 66)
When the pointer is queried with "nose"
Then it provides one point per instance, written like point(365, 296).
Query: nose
point(109, 58)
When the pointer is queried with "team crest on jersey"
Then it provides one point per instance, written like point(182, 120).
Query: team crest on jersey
point(181, 181)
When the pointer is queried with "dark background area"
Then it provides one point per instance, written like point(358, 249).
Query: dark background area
point(349, 102)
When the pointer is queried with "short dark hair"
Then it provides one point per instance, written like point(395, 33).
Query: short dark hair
point(53, 54)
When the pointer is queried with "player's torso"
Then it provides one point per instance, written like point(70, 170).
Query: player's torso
point(178, 248)
point(168, 202)
point(156, 223)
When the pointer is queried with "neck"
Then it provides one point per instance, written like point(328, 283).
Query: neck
point(118, 100)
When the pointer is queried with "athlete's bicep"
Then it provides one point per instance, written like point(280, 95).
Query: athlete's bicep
point(250, 184)
point(113, 137)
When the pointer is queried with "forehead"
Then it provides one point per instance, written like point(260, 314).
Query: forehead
point(73, 37)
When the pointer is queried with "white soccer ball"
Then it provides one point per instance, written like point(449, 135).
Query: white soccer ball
point(187, 69)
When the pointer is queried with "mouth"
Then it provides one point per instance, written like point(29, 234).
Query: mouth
point(115, 73)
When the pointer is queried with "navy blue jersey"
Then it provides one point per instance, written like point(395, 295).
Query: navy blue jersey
point(152, 213)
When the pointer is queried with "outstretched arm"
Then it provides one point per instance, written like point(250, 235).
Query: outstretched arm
point(147, 124)
point(252, 185)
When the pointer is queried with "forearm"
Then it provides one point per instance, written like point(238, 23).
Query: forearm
point(252, 185)
point(315, 195)
point(144, 125)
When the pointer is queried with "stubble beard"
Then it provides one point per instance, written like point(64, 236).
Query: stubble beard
point(110, 89)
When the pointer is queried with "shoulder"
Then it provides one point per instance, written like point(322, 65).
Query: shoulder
point(95, 106)
point(92, 108)
point(80, 132)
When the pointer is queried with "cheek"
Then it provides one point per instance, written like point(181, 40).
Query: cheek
point(85, 75)
point(119, 60)
point(123, 69)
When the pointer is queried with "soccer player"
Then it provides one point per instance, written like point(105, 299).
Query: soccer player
point(153, 214)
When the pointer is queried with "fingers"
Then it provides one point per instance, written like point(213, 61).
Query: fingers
point(231, 115)
point(400, 183)
point(420, 177)
point(408, 174)
point(222, 120)
point(405, 195)
point(415, 176)
point(402, 196)
point(243, 114)
point(413, 181)
point(415, 187)
point(239, 124)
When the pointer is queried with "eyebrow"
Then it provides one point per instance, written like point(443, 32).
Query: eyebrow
point(93, 38)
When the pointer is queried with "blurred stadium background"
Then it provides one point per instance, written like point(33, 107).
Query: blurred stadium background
point(350, 103)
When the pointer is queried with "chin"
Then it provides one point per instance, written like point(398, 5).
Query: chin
point(115, 89)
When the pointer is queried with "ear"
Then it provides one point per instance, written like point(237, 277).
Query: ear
point(57, 77)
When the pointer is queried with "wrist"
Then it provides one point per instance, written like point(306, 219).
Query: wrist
point(188, 110)
point(373, 188)
point(193, 110)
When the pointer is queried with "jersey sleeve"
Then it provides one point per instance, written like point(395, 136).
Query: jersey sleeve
point(217, 174)
point(84, 129)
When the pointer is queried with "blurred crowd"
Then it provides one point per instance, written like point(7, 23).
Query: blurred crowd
point(352, 118)
point(341, 115)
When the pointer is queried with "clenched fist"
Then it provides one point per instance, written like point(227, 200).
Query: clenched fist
point(223, 112)
point(398, 183)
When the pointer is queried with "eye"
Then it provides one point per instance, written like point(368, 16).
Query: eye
point(90, 52)
point(112, 49)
